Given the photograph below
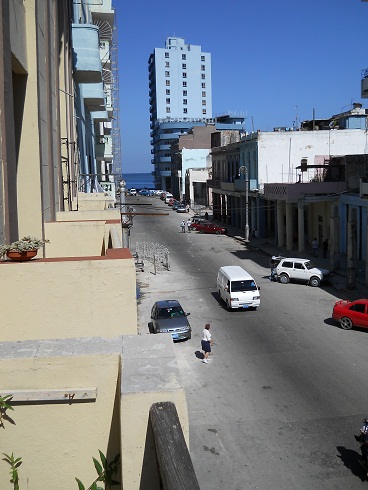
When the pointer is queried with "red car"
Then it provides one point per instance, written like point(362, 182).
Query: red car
point(351, 313)
point(196, 222)
point(211, 228)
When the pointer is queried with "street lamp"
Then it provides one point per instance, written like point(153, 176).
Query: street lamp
point(243, 170)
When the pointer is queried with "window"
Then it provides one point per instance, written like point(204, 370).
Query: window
point(167, 91)
point(185, 101)
point(167, 101)
point(204, 85)
point(359, 307)
point(167, 109)
point(203, 94)
point(167, 64)
point(167, 54)
point(204, 111)
point(185, 93)
point(287, 265)
point(183, 56)
point(184, 66)
point(203, 76)
point(203, 102)
point(184, 74)
point(167, 73)
point(184, 84)
point(167, 83)
point(203, 58)
point(185, 110)
point(299, 266)
point(203, 67)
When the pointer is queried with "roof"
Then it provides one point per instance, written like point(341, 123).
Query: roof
point(167, 303)
point(235, 272)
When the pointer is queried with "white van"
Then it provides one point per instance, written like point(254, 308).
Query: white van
point(237, 288)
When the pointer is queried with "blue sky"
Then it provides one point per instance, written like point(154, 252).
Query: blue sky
point(273, 61)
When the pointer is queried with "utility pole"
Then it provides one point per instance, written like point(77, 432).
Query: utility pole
point(243, 170)
point(125, 219)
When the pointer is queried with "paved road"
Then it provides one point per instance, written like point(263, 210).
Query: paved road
point(285, 391)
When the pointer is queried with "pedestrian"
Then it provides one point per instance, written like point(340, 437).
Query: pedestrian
point(206, 215)
point(315, 246)
point(182, 226)
point(325, 248)
point(189, 222)
point(206, 342)
point(187, 208)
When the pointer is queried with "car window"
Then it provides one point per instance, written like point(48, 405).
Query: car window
point(298, 265)
point(237, 286)
point(309, 265)
point(359, 307)
point(172, 312)
point(288, 265)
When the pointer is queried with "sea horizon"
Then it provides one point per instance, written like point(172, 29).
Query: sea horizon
point(139, 180)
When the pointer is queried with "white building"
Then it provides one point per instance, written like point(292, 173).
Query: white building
point(180, 97)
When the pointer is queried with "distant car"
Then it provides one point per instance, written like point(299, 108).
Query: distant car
point(168, 316)
point(132, 192)
point(168, 197)
point(351, 313)
point(211, 228)
point(181, 208)
point(144, 192)
point(303, 270)
point(196, 222)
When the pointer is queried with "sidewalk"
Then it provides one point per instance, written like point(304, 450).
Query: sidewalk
point(339, 280)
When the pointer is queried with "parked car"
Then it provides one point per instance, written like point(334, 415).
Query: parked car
point(168, 197)
point(351, 313)
point(181, 208)
point(296, 269)
point(211, 228)
point(196, 222)
point(144, 192)
point(168, 316)
point(132, 192)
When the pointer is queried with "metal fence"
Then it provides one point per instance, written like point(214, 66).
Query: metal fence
point(154, 253)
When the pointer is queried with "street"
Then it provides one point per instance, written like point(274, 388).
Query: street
point(285, 390)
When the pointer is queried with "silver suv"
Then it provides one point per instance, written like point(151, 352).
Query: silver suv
point(300, 270)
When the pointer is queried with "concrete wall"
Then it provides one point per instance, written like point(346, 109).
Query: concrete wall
point(68, 298)
point(149, 374)
point(57, 440)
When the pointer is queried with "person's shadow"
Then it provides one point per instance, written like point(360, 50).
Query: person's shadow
point(351, 458)
point(199, 354)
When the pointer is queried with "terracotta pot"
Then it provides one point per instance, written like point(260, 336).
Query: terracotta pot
point(21, 256)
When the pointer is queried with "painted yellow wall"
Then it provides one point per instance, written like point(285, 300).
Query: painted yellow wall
point(91, 214)
point(57, 441)
point(92, 201)
point(75, 239)
point(57, 298)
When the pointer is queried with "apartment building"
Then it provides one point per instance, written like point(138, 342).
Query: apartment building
point(180, 96)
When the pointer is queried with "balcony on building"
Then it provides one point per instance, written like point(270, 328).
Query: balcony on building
point(99, 116)
point(104, 147)
point(164, 159)
point(93, 96)
point(86, 53)
point(165, 173)
point(297, 191)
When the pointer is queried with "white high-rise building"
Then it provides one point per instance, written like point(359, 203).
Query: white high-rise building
point(180, 97)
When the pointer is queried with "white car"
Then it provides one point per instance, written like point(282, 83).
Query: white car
point(132, 192)
point(296, 269)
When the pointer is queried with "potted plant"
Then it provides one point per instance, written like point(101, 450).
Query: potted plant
point(23, 249)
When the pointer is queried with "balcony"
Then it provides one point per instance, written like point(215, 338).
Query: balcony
point(104, 147)
point(94, 96)
point(86, 53)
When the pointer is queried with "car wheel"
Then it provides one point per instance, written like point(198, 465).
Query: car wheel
point(284, 278)
point(218, 232)
point(228, 305)
point(314, 281)
point(200, 231)
point(346, 323)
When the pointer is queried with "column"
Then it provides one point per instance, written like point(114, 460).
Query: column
point(301, 234)
point(289, 226)
point(280, 224)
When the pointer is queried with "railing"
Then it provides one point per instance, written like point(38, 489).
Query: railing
point(175, 467)
point(156, 254)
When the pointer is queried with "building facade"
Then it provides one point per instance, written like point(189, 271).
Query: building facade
point(180, 92)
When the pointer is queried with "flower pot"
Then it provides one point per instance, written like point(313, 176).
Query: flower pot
point(21, 256)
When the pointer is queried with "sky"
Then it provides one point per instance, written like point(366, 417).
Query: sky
point(273, 61)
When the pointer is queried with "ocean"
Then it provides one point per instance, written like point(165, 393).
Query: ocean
point(139, 181)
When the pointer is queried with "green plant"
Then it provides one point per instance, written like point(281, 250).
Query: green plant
point(4, 406)
point(105, 470)
point(22, 245)
point(14, 465)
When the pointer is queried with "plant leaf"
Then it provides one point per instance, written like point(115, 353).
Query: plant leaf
point(98, 466)
point(103, 459)
point(80, 484)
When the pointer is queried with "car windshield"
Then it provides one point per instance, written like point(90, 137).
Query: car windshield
point(172, 312)
point(309, 265)
point(237, 286)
